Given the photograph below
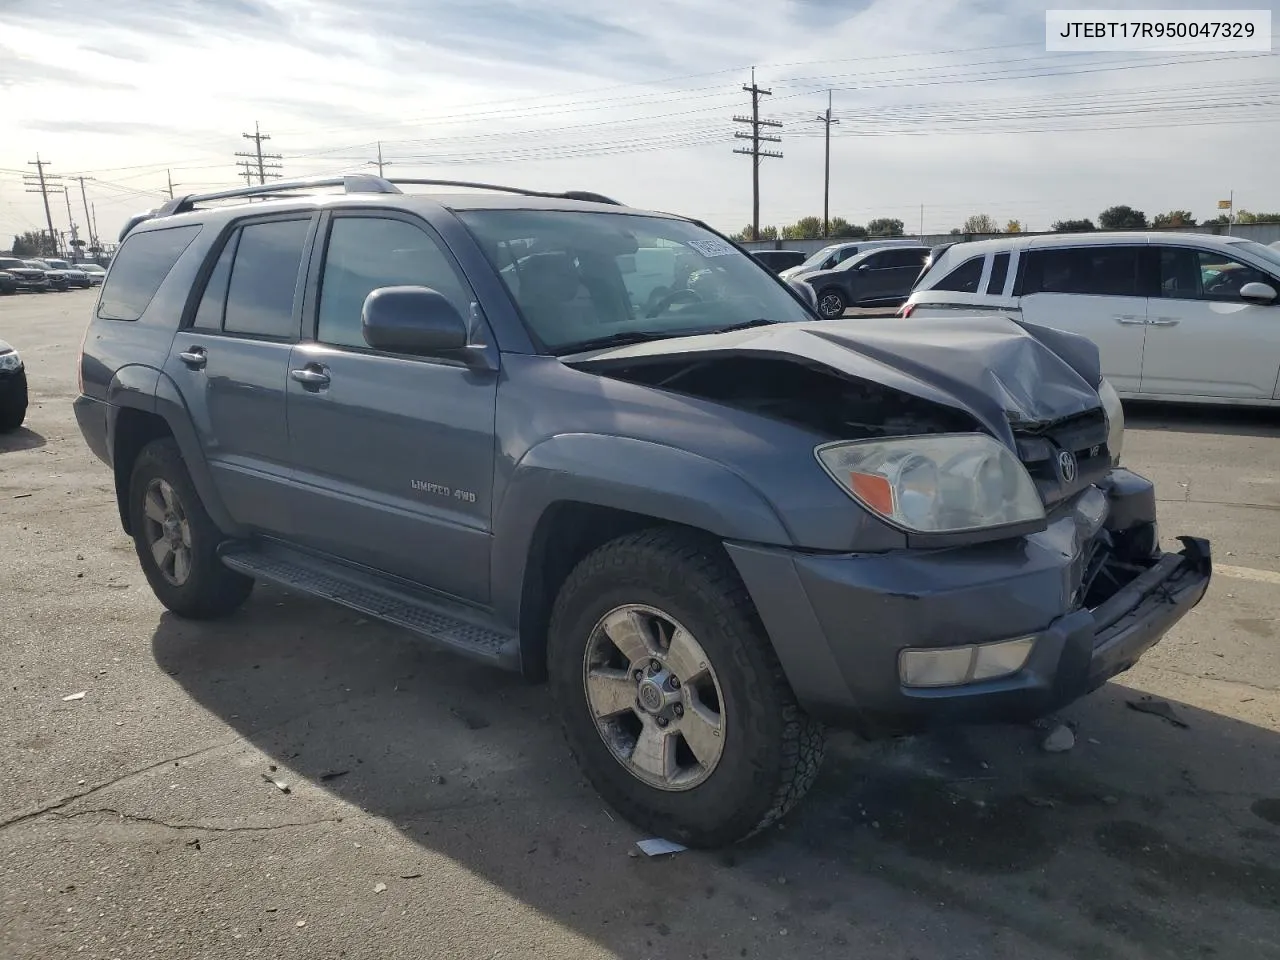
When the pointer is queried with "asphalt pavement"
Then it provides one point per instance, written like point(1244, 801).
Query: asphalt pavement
point(298, 782)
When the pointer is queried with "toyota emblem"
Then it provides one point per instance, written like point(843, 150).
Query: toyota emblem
point(1067, 464)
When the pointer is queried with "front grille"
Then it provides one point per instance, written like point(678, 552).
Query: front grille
point(1083, 435)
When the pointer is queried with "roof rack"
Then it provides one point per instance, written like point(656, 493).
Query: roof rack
point(350, 183)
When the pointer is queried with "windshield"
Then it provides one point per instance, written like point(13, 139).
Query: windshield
point(60, 264)
point(818, 257)
point(582, 278)
point(1259, 250)
point(39, 263)
point(90, 268)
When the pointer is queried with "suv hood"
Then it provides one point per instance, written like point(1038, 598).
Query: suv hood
point(1003, 373)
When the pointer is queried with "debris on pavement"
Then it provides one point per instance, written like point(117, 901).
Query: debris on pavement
point(473, 720)
point(301, 923)
point(410, 876)
point(279, 784)
point(656, 847)
point(333, 775)
point(1059, 740)
point(195, 844)
point(379, 888)
point(1044, 802)
point(75, 696)
point(1157, 708)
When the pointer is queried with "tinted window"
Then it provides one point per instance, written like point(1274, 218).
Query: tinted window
point(904, 258)
point(367, 253)
point(6, 264)
point(1204, 275)
point(213, 302)
point(874, 261)
point(140, 266)
point(263, 279)
point(964, 278)
point(1096, 271)
point(999, 271)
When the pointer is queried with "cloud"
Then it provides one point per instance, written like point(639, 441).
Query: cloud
point(108, 128)
point(17, 70)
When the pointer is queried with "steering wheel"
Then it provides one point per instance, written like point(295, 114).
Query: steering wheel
point(674, 297)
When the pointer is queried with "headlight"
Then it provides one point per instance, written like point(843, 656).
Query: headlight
point(935, 484)
point(1115, 419)
point(10, 360)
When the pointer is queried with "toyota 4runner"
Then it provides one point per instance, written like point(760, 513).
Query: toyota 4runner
point(608, 449)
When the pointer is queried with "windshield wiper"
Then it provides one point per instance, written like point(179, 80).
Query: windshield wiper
point(620, 339)
point(746, 325)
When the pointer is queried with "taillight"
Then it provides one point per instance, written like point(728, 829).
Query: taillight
point(905, 310)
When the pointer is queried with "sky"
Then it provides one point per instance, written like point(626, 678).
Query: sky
point(949, 105)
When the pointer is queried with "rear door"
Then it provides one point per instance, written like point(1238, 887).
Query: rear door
point(1203, 340)
point(1097, 290)
point(231, 364)
point(394, 454)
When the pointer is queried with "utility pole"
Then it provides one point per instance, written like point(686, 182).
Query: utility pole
point(257, 159)
point(827, 119)
point(754, 151)
point(169, 174)
point(93, 225)
point(922, 221)
point(380, 162)
point(43, 191)
point(88, 222)
point(66, 195)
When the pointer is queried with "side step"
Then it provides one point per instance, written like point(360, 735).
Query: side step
point(443, 621)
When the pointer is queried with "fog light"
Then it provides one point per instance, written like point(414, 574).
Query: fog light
point(952, 666)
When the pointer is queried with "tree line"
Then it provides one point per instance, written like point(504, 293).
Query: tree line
point(1119, 217)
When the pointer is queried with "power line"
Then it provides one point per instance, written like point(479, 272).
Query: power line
point(257, 159)
point(754, 151)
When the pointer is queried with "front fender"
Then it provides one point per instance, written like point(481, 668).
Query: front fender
point(637, 476)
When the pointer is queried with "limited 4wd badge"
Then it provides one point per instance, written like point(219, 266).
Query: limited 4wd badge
point(440, 490)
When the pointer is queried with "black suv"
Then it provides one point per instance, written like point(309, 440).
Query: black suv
point(608, 448)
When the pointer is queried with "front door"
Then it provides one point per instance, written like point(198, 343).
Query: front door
point(1203, 340)
point(394, 454)
point(1095, 290)
point(232, 362)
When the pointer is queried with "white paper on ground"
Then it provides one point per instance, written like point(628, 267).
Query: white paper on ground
point(656, 846)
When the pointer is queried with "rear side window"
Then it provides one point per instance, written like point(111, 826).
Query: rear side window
point(264, 277)
point(214, 301)
point(999, 271)
point(140, 266)
point(904, 258)
point(964, 278)
point(1091, 271)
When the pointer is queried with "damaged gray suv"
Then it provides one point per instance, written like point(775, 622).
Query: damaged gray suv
point(607, 449)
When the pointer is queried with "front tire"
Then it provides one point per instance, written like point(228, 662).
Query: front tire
point(13, 404)
point(176, 540)
point(831, 304)
point(670, 695)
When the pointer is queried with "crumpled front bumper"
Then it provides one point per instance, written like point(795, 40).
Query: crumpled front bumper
point(839, 623)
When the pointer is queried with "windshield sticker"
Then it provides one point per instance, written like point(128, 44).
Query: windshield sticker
point(713, 248)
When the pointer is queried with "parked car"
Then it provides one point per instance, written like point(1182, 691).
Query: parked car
point(1176, 316)
point(8, 282)
point(779, 260)
point(874, 277)
point(13, 389)
point(94, 272)
point(75, 276)
point(57, 280)
point(714, 525)
point(833, 255)
point(25, 277)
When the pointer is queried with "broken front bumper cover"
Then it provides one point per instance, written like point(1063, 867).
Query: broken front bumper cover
point(839, 625)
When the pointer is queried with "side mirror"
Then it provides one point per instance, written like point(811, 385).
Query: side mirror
point(1260, 293)
point(412, 320)
point(863, 266)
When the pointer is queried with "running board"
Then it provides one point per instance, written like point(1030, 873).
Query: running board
point(448, 623)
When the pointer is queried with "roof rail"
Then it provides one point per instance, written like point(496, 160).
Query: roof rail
point(350, 183)
point(584, 195)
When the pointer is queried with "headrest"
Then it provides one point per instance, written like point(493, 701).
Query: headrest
point(549, 275)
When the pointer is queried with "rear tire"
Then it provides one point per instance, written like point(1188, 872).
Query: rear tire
point(176, 540)
point(831, 304)
point(13, 405)
point(735, 752)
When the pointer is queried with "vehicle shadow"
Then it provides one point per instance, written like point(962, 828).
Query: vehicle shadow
point(21, 439)
point(1146, 840)
point(1190, 418)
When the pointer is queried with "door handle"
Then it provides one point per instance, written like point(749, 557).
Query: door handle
point(1129, 318)
point(195, 357)
point(310, 376)
point(1164, 322)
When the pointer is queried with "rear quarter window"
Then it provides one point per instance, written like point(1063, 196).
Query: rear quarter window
point(964, 278)
point(139, 267)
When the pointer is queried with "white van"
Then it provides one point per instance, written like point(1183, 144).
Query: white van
point(829, 256)
point(1176, 316)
